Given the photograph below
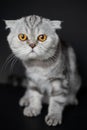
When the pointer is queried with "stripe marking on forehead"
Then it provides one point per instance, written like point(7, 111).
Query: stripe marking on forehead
point(33, 21)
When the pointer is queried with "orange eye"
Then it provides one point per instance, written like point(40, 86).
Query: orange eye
point(22, 37)
point(42, 37)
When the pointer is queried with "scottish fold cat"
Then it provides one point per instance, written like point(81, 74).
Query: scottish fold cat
point(50, 66)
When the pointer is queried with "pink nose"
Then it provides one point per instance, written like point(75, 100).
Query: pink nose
point(32, 45)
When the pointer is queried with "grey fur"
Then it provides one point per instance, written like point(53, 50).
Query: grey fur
point(51, 70)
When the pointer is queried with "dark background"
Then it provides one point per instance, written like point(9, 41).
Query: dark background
point(74, 31)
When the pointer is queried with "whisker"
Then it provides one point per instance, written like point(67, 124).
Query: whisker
point(12, 64)
point(50, 59)
point(7, 61)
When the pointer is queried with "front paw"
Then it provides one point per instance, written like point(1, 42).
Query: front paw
point(31, 111)
point(24, 101)
point(53, 119)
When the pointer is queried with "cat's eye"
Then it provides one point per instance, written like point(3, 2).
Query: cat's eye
point(22, 37)
point(42, 37)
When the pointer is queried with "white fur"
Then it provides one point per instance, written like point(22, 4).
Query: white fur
point(22, 49)
point(50, 68)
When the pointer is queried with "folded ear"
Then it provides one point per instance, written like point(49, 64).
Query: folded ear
point(10, 23)
point(56, 24)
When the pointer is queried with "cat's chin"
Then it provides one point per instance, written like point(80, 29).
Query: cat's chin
point(32, 55)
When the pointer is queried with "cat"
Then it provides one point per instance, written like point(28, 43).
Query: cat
point(50, 66)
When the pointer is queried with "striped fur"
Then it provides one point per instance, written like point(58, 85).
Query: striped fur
point(51, 71)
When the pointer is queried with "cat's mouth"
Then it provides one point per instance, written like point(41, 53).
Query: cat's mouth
point(32, 53)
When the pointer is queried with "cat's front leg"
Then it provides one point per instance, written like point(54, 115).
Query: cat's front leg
point(32, 100)
point(24, 101)
point(35, 104)
point(57, 103)
point(55, 110)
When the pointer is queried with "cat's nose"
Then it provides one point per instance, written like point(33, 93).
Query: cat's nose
point(32, 45)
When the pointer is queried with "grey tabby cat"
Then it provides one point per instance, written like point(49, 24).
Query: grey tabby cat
point(50, 66)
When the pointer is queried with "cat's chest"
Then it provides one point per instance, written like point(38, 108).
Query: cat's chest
point(37, 72)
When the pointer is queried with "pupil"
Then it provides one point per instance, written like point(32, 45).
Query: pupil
point(42, 37)
point(22, 36)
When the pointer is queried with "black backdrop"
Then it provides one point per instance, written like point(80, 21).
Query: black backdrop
point(74, 31)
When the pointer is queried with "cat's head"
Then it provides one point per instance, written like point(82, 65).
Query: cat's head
point(33, 37)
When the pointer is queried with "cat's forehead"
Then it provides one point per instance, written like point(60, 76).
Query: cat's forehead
point(32, 21)
point(35, 24)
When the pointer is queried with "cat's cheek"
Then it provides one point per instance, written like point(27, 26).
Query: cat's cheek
point(51, 42)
